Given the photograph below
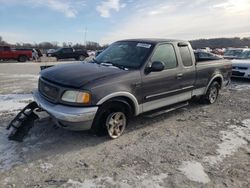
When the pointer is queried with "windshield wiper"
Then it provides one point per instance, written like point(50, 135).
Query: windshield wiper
point(108, 63)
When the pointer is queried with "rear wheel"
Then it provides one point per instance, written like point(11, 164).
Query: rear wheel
point(81, 58)
point(22, 58)
point(212, 93)
point(111, 119)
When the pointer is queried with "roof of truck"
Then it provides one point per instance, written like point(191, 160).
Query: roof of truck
point(153, 40)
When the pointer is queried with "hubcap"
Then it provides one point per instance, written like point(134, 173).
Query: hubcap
point(116, 123)
point(81, 58)
point(213, 95)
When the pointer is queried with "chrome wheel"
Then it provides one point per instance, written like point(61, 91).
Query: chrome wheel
point(116, 123)
point(213, 95)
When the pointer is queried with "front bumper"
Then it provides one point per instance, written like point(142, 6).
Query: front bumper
point(73, 118)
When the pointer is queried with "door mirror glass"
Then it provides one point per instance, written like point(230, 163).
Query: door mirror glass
point(156, 66)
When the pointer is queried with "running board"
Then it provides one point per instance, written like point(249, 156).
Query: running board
point(22, 123)
point(171, 108)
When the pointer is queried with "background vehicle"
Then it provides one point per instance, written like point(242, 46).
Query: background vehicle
point(128, 78)
point(241, 66)
point(6, 53)
point(206, 56)
point(66, 53)
point(49, 51)
point(233, 53)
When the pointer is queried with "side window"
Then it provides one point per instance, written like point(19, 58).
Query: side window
point(166, 54)
point(67, 50)
point(186, 56)
point(1, 48)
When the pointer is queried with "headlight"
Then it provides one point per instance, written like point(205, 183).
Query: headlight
point(76, 97)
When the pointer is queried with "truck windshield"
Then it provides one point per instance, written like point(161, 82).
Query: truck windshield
point(128, 54)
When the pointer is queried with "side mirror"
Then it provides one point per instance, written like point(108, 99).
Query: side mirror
point(156, 66)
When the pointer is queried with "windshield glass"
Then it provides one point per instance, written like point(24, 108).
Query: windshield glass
point(245, 55)
point(233, 52)
point(128, 54)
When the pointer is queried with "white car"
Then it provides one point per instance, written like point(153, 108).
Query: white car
point(241, 66)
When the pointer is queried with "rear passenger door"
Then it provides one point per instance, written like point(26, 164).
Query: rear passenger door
point(188, 68)
point(163, 88)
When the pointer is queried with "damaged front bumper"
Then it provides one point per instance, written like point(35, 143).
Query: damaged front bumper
point(72, 118)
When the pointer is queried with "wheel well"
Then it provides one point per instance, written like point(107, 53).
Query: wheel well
point(219, 80)
point(128, 103)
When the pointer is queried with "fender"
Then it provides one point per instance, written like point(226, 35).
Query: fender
point(138, 108)
point(212, 79)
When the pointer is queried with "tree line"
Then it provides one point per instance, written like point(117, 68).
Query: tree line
point(212, 43)
point(90, 45)
point(235, 42)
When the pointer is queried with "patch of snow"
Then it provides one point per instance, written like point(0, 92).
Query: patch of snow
point(154, 181)
point(13, 102)
point(32, 76)
point(8, 153)
point(142, 181)
point(232, 140)
point(194, 171)
point(240, 87)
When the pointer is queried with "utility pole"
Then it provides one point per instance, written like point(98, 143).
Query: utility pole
point(85, 35)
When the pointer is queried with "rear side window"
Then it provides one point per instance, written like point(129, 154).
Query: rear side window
point(166, 54)
point(186, 56)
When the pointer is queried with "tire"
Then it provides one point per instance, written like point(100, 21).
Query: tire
point(212, 93)
point(22, 58)
point(81, 58)
point(111, 120)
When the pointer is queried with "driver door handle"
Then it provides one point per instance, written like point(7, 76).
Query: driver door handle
point(179, 76)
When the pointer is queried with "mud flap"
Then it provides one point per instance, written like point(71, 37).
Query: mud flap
point(22, 123)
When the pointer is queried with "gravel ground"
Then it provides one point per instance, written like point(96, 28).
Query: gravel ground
point(196, 146)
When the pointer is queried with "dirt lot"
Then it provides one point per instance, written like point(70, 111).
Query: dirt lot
point(196, 146)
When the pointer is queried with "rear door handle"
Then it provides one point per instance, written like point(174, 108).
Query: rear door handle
point(179, 76)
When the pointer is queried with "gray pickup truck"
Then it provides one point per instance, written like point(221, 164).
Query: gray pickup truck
point(128, 78)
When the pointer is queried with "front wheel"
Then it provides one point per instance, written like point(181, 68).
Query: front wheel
point(116, 123)
point(111, 119)
point(212, 93)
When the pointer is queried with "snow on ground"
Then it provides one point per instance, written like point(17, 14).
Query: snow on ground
point(194, 171)
point(13, 102)
point(143, 181)
point(232, 139)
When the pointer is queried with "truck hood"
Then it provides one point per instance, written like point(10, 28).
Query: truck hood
point(241, 62)
point(78, 74)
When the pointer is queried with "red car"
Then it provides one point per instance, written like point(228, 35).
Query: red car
point(7, 53)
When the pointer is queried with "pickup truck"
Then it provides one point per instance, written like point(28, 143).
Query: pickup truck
point(66, 53)
point(129, 78)
point(6, 53)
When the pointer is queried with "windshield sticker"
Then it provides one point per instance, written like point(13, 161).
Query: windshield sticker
point(143, 45)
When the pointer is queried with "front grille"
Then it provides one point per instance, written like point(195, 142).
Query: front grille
point(236, 73)
point(49, 91)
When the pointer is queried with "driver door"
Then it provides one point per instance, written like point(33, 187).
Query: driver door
point(163, 88)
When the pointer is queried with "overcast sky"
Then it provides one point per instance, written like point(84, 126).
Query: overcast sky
point(108, 20)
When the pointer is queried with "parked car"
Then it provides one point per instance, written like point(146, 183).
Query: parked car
point(241, 66)
point(6, 53)
point(206, 56)
point(233, 53)
point(128, 78)
point(49, 51)
point(66, 53)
